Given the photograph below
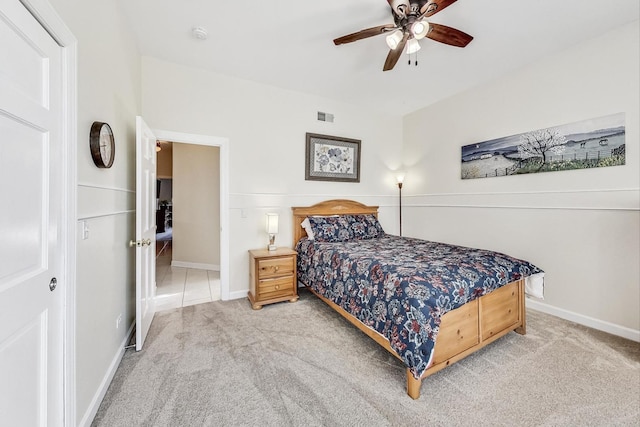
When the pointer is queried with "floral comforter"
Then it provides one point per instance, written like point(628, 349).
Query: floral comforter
point(401, 287)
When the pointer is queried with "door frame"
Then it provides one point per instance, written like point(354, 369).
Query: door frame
point(223, 144)
point(46, 15)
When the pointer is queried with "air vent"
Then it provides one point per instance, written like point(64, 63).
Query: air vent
point(325, 117)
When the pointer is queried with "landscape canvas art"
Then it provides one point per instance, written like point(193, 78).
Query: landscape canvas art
point(590, 143)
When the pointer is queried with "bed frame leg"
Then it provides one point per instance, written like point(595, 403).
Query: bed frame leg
point(413, 386)
point(522, 329)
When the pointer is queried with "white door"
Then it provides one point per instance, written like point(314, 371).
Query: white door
point(31, 220)
point(145, 230)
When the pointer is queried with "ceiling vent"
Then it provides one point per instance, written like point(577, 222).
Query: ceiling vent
point(325, 117)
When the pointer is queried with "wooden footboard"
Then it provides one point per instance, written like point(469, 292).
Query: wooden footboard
point(467, 329)
point(463, 331)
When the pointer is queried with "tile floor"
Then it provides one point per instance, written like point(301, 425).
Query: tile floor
point(181, 287)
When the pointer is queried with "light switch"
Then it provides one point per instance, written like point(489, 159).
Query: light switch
point(85, 230)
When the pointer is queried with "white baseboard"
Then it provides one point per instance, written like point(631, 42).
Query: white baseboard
point(195, 265)
point(243, 294)
point(581, 319)
point(92, 410)
point(238, 294)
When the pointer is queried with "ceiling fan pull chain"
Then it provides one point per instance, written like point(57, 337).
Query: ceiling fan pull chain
point(415, 61)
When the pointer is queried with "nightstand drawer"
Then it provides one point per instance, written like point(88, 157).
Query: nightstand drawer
point(275, 267)
point(273, 288)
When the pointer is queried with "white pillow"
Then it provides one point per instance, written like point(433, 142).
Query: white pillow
point(534, 285)
point(307, 227)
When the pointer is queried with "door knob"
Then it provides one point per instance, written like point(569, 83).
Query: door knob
point(139, 243)
point(52, 284)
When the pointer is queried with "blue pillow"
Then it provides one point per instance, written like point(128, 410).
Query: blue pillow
point(365, 226)
point(344, 227)
point(330, 228)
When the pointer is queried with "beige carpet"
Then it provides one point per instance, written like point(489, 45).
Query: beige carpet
point(301, 364)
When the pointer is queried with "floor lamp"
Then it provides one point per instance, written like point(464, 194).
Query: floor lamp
point(400, 179)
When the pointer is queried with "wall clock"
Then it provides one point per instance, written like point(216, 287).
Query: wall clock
point(102, 144)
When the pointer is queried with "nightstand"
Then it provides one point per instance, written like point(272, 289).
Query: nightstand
point(273, 276)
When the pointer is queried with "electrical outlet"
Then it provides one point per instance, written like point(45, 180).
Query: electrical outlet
point(118, 321)
point(85, 230)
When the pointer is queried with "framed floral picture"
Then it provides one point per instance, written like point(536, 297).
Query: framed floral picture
point(332, 158)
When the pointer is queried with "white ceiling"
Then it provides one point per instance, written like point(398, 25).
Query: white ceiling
point(288, 44)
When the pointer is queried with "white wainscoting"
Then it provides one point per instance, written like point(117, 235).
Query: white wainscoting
point(92, 410)
point(585, 240)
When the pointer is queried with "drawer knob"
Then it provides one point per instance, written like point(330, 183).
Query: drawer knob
point(276, 268)
point(277, 287)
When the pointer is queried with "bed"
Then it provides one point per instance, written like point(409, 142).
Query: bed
point(429, 304)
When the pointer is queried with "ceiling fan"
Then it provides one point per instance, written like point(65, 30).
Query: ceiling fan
point(411, 26)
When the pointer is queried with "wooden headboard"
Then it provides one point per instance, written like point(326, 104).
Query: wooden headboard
point(326, 208)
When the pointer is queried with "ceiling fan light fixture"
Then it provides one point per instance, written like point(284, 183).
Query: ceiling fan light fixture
point(412, 46)
point(419, 29)
point(400, 7)
point(394, 39)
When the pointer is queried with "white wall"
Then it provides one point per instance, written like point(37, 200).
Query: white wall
point(109, 91)
point(583, 226)
point(266, 128)
point(164, 159)
point(196, 206)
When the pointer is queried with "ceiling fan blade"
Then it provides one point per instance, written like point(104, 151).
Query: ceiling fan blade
point(435, 6)
point(369, 32)
point(394, 54)
point(448, 35)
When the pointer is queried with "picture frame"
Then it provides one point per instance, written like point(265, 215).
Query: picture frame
point(587, 144)
point(332, 158)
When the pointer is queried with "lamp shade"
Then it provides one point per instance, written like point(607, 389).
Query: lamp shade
point(412, 46)
point(394, 39)
point(272, 223)
point(419, 29)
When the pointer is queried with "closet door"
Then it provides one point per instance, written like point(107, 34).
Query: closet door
point(31, 222)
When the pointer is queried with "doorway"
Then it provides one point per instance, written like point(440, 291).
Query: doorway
point(187, 225)
point(182, 277)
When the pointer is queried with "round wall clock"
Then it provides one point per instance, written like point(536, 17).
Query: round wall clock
point(102, 144)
